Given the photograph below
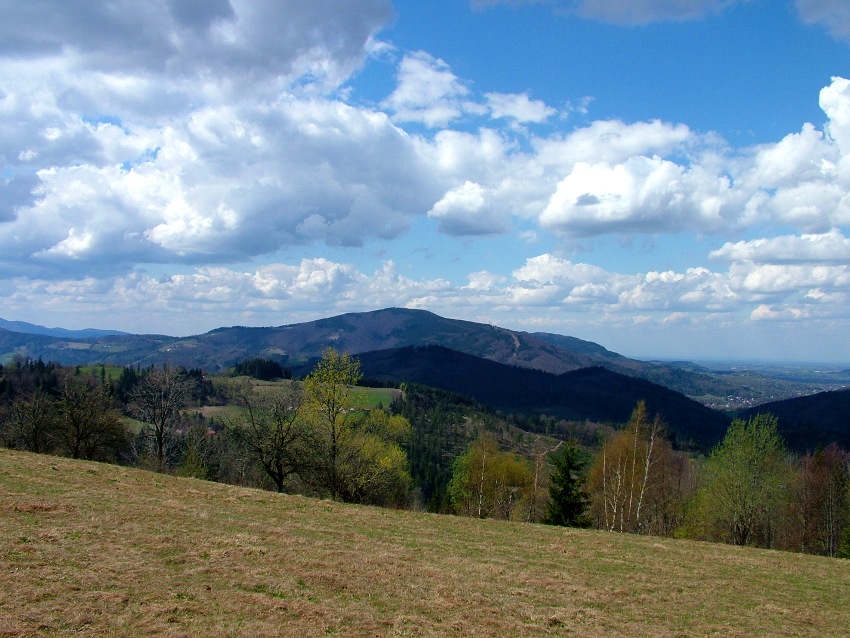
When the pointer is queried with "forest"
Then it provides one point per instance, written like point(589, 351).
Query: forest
point(430, 449)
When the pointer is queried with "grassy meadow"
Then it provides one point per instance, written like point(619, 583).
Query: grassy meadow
point(88, 549)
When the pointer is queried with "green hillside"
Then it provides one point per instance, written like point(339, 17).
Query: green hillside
point(91, 549)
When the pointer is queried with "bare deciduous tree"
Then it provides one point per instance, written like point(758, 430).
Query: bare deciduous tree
point(270, 429)
point(88, 426)
point(157, 402)
point(33, 423)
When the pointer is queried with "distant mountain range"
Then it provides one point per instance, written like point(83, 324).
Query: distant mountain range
point(293, 344)
point(30, 328)
point(532, 373)
point(357, 333)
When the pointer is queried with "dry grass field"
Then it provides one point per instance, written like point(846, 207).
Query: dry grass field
point(92, 550)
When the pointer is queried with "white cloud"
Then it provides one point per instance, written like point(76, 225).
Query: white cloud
point(832, 246)
point(428, 92)
point(799, 157)
point(778, 313)
point(643, 194)
point(484, 281)
point(550, 269)
point(233, 179)
point(465, 210)
point(519, 107)
point(614, 141)
point(812, 206)
point(229, 182)
point(128, 149)
point(835, 102)
point(787, 279)
point(646, 177)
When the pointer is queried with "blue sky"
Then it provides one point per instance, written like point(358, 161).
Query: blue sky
point(668, 178)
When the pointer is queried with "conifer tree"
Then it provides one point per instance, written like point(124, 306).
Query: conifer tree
point(568, 501)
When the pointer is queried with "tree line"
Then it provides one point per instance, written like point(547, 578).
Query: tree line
point(310, 436)
point(315, 436)
point(748, 491)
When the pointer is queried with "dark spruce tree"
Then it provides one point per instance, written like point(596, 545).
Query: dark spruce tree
point(568, 502)
point(262, 369)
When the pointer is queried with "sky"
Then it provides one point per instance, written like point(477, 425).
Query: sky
point(668, 178)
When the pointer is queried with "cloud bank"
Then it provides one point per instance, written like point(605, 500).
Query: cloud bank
point(200, 137)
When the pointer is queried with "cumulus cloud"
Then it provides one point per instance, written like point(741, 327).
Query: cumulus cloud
point(428, 92)
point(519, 107)
point(659, 178)
point(308, 169)
point(121, 145)
point(646, 177)
point(484, 280)
point(798, 157)
point(835, 102)
point(778, 313)
point(104, 172)
point(641, 192)
point(465, 210)
point(246, 40)
point(826, 247)
point(769, 280)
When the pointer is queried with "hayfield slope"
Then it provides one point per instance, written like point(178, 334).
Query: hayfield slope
point(89, 549)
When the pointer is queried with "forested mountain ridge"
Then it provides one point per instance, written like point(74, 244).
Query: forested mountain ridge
point(354, 333)
point(811, 421)
point(390, 328)
point(592, 394)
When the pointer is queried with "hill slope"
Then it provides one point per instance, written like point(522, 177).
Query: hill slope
point(90, 549)
point(810, 421)
point(594, 394)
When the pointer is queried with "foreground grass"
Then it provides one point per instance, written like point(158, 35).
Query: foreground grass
point(92, 549)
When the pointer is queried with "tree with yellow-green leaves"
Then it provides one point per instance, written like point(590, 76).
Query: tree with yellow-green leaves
point(637, 483)
point(355, 455)
point(744, 486)
point(487, 482)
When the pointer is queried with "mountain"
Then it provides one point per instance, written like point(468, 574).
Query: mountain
point(34, 329)
point(594, 394)
point(356, 333)
point(353, 333)
point(811, 421)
